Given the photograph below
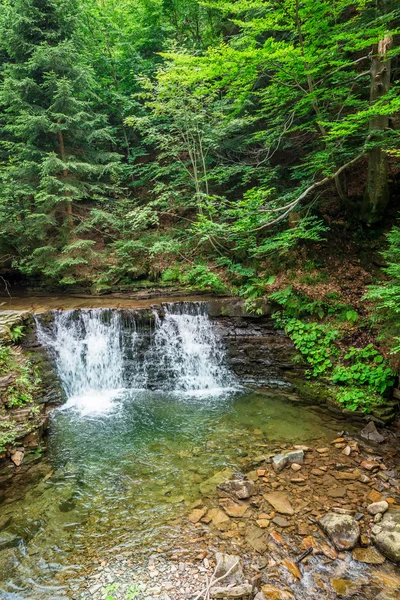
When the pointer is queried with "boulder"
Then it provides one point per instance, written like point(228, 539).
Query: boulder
point(239, 487)
point(229, 569)
point(387, 535)
point(378, 507)
point(342, 530)
point(371, 433)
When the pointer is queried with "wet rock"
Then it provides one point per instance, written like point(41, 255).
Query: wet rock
point(228, 569)
point(369, 465)
point(237, 591)
point(295, 466)
point(239, 486)
point(235, 509)
point(272, 592)
point(374, 496)
point(280, 502)
point(279, 462)
point(345, 588)
point(387, 535)
point(292, 568)
point(8, 540)
point(369, 555)
point(207, 488)
point(378, 507)
point(342, 530)
point(371, 433)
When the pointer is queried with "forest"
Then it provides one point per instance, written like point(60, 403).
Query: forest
point(245, 148)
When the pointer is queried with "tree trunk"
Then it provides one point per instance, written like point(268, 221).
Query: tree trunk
point(376, 195)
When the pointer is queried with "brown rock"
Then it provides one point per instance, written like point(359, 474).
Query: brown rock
point(346, 451)
point(292, 568)
point(369, 465)
point(256, 538)
point(219, 519)
point(272, 592)
point(197, 514)
point(281, 522)
point(235, 509)
point(374, 496)
point(280, 502)
point(345, 588)
point(17, 457)
point(263, 523)
point(339, 440)
point(328, 552)
point(322, 450)
point(317, 472)
point(368, 555)
point(278, 539)
point(338, 492)
point(295, 467)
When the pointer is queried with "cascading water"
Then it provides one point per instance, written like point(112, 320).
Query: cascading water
point(99, 353)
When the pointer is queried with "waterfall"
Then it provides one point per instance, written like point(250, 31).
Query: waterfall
point(99, 353)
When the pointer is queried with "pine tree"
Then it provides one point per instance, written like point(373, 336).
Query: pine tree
point(58, 150)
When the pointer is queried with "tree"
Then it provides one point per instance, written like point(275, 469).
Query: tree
point(58, 149)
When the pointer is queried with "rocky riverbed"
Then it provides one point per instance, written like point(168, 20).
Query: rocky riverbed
point(320, 522)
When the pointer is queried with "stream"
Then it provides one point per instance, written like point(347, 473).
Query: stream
point(150, 415)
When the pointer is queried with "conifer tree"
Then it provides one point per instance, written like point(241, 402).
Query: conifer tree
point(58, 149)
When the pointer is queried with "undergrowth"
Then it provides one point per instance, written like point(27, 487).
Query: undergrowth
point(360, 377)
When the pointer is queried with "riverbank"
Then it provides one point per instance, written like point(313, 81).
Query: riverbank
point(275, 521)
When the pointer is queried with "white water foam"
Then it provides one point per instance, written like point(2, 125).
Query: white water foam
point(183, 354)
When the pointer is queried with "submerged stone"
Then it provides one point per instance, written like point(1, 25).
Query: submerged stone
point(280, 502)
point(207, 488)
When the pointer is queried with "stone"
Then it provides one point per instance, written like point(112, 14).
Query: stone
point(8, 540)
point(386, 580)
point(280, 461)
point(263, 523)
point(281, 522)
point(235, 509)
point(228, 569)
point(17, 457)
point(207, 488)
point(219, 519)
point(328, 551)
point(322, 450)
point(317, 472)
point(259, 596)
point(239, 486)
point(378, 507)
point(374, 496)
point(369, 555)
point(272, 592)
point(292, 568)
point(342, 530)
point(338, 492)
point(338, 440)
point(256, 538)
point(345, 588)
point(295, 467)
point(369, 465)
point(280, 502)
point(387, 535)
point(346, 451)
point(197, 514)
point(237, 591)
point(371, 433)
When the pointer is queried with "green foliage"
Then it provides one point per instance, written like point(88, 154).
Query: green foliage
point(386, 295)
point(201, 277)
point(364, 367)
point(316, 344)
point(362, 375)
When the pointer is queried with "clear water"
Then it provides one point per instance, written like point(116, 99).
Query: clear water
point(124, 461)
